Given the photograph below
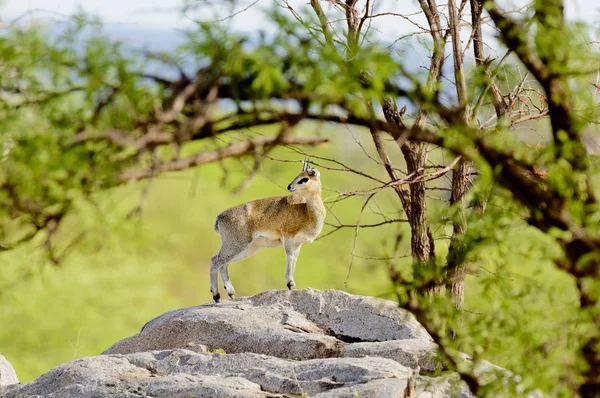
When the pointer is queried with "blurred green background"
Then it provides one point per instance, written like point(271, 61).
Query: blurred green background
point(126, 270)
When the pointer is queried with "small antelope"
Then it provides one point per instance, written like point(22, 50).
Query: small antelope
point(290, 221)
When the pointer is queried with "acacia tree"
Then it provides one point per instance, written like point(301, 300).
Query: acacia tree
point(80, 121)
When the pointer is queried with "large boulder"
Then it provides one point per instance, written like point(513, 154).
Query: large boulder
point(7, 373)
point(184, 373)
point(275, 344)
point(298, 324)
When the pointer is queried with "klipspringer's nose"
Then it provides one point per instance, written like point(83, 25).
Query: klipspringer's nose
point(290, 188)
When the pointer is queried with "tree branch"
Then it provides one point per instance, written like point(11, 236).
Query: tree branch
point(230, 151)
point(560, 104)
point(323, 20)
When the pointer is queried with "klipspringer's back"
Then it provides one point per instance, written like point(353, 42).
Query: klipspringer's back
point(285, 215)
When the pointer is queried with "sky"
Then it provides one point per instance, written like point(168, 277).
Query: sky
point(153, 23)
point(142, 13)
point(162, 14)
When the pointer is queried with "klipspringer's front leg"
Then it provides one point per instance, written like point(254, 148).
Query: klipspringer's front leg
point(292, 249)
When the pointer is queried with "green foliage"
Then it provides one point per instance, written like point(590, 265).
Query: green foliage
point(54, 89)
point(120, 270)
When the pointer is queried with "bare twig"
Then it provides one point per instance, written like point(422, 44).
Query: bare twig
point(362, 209)
point(337, 227)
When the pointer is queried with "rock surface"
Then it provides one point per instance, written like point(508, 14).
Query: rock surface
point(298, 324)
point(277, 344)
point(7, 373)
point(184, 373)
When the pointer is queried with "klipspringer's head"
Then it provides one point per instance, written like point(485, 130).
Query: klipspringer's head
point(307, 182)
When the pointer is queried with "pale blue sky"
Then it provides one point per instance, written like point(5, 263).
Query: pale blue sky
point(148, 22)
point(160, 13)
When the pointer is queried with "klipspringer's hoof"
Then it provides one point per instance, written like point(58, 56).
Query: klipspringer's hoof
point(230, 291)
point(291, 285)
point(217, 297)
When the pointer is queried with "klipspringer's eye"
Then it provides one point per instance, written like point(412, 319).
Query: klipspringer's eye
point(302, 181)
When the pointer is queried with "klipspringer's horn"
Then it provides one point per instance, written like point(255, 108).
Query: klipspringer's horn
point(305, 165)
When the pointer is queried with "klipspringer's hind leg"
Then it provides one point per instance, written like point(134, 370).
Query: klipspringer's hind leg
point(222, 259)
point(214, 275)
point(224, 268)
point(226, 281)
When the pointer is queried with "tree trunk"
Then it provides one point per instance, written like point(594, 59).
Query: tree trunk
point(455, 267)
point(422, 243)
point(414, 203)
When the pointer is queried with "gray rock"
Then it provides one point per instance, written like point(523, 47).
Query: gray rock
point(350, 317)
point(410, 352)
point(184, 373)
point(105, 376)
point(298, 324)
point(278, 344)
point(394, 388)
point(7, 373)
point(485, 370)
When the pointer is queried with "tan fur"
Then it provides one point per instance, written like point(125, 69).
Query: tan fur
point(290, 221)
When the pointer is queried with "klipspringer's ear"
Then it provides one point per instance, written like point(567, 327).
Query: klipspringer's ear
point(313, 173)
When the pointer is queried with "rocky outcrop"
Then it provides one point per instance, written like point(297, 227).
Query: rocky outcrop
point(7, 373)
point(184, 373)
point(275, 344)
point(299, 325)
